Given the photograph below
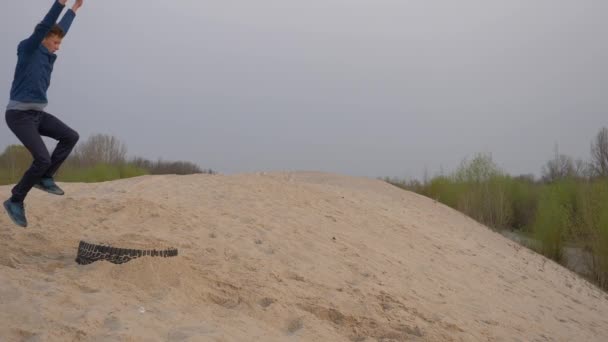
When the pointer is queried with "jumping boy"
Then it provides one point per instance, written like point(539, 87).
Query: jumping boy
point(25, 114)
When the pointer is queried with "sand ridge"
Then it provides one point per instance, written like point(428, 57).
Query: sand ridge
point(280, 256)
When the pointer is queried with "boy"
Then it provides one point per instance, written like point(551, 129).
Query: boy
point(25, 114)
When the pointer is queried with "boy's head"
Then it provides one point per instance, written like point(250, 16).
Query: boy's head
point(52, 41)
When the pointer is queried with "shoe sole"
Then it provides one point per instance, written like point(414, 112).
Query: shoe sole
point(89, 253)
point(50, 192)
point(11, 216)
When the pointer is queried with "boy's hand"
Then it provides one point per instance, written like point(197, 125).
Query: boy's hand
point(77, 5)
point(62, 2)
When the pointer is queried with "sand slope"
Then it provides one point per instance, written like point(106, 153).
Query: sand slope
point(279, 257)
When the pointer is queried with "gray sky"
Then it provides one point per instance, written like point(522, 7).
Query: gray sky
point(370, 88)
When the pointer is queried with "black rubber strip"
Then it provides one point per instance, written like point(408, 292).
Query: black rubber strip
point(89, 253)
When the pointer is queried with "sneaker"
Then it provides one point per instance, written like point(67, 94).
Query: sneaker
point(16, 211)
point(48, 185)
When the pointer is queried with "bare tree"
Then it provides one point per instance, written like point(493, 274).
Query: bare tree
point(583, 169)
point(599, 153)
point(100, 148)
point(560, 167)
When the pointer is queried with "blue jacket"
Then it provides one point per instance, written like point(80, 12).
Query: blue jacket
point(35, 62)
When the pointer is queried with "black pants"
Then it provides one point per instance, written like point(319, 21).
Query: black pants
point(29, 126)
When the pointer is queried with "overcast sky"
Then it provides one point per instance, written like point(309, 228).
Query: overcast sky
point(370, 88)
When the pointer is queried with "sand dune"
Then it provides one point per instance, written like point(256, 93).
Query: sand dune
point(279, 257)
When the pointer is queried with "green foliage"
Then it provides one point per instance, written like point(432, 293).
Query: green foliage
point(479, 170)
point(161, 167)
point(488, 201)
point(566, 211)
point(99, 158)
point(99, 173)
point(14, 161)
point(479, 189)
point(593, 226)
point(524, 200)
point(555, 217)
point(444, 190)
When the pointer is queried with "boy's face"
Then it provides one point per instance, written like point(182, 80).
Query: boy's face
point(52, 43)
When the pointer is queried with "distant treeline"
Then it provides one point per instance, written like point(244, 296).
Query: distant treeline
point(100, 158)
point(567, 206)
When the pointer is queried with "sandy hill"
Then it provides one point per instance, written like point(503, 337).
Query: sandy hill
point(300, 256)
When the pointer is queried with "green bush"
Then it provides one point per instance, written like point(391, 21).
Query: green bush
point(444, 190)
point(13, 162)
point(524, 201)
point(98, 173)
point(556, 217)
point(479, 189)
point(99, 158)
point(568, 208)
point(593, 226)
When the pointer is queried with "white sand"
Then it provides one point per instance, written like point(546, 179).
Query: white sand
point(258, 262)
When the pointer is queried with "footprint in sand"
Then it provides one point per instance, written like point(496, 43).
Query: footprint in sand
point(266, 302)
point(294, 325)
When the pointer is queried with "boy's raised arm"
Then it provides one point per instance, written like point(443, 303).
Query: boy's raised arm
point(45, 26)
point(69, 16)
